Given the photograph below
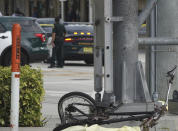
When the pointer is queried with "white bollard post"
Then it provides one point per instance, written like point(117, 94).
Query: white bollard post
point(15, 80)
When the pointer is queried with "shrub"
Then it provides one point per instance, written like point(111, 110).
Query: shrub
point(31, 95)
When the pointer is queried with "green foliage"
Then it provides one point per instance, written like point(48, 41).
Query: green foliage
point(31, 96)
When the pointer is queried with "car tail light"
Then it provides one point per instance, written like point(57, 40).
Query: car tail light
point(82, 33)
point(88, 33)
point(75, 33)
point(68, 40)
point(41, 36)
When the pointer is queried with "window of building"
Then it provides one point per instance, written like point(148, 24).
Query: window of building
point(76, 10)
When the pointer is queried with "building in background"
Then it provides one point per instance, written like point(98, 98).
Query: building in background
point(6, 7)
point(37, 8)
point(74, 10)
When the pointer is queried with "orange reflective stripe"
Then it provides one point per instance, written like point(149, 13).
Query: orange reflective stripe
point(17, 75)
point(16, 39)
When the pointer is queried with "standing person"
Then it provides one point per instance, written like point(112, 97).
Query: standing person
point(57, 42)
point(35, 12)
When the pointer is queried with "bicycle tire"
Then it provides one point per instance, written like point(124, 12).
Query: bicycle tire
point(66, 116)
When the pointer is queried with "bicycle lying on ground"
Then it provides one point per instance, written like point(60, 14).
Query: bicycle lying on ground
point(77, 108)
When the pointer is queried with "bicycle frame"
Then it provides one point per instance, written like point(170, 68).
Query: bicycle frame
point(167, 97)
point(102, 114)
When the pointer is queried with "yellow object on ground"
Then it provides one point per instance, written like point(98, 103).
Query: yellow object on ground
point(163, 103)
point(99, 128)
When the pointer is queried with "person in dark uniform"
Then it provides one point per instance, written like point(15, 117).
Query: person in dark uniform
point(57, 42)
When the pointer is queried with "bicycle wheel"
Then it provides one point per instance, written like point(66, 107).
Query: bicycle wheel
point(76, 106)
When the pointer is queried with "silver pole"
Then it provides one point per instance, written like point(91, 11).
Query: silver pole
point(98, 73)
point(108, 49)
point(146, 12)
point(62, 9)
point(98, 13)
point(161, 41)
point(125, 48)
point(90, 11)
point(152, 54)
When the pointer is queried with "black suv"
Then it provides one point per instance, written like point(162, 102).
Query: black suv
point(78, 43)
point(33, 40)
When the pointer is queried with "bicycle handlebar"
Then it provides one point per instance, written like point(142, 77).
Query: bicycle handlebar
point(172, 72)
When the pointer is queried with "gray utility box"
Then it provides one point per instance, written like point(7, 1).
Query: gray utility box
point(173, 107)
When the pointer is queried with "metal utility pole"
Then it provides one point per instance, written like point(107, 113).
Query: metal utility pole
point(108, 47)
point(166, 56)
point(116, 28)
point(152, 74)
point(123, 74)
point(82, 10)
point(125, 49)
point(90, 11)
point(62, 9)
point(98, 9)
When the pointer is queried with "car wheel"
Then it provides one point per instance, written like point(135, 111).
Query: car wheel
point(7, 59)
point(89, 62)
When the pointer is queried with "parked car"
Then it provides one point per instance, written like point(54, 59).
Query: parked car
point(78, 43)
point(47, 24)
point(33, 40)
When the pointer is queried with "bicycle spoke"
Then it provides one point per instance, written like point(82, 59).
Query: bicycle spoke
point(77, 106)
